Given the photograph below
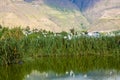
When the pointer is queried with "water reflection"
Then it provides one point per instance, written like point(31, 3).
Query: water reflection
point(94, 75)
point(64, 68)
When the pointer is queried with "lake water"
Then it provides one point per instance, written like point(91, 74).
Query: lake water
point(92, 75)
point(64, 68)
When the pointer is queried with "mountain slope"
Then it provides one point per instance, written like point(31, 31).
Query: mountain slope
point(59, 15)
point(42, 14)
point(104, 15)
point(109, 21)
point(108, 16)
point(85, 4)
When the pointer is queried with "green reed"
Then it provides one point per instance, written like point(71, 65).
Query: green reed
point(17, 44)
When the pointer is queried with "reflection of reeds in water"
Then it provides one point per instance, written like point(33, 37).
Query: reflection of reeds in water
point(16, 44)
point(60, 65)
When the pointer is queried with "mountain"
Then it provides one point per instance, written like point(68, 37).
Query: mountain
point(53, 15)
point(85, 4)
point(61, 15)
point(104, 15)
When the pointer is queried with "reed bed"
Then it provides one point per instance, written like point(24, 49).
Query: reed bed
point(17, 44)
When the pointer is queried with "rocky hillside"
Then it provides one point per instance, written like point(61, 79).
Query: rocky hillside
point(85, 4)
point(53, 15)
point(104, 15)
point(59, 15)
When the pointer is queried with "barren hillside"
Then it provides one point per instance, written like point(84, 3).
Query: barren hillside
point(42, 14)
point(103, 15)
point(59, 15)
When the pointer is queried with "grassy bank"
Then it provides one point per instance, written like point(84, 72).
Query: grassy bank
point(18, 44)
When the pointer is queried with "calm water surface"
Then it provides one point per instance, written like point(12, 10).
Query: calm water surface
point(64, 68)
point(93, 75)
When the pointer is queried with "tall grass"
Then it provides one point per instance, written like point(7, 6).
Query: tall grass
point(16, 44)
point(10, 45)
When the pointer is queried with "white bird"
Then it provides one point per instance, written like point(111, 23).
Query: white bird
point(69, 37)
